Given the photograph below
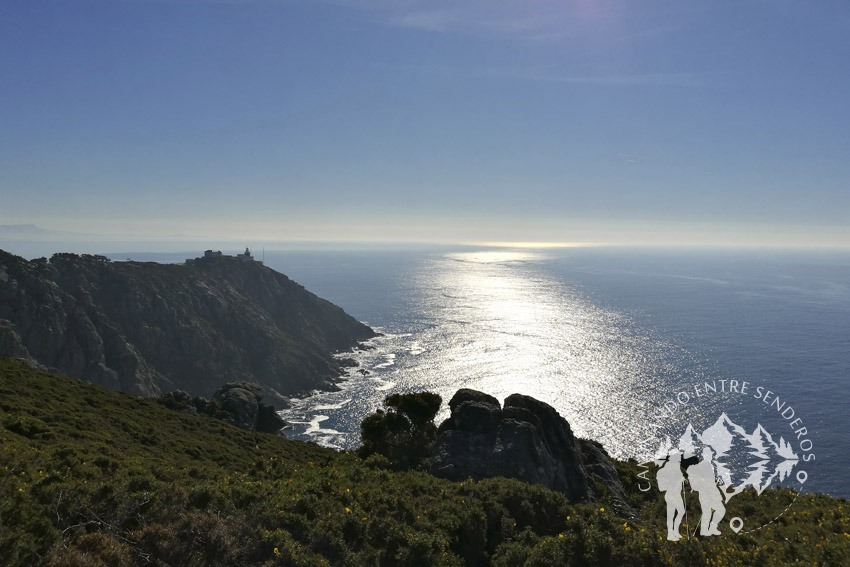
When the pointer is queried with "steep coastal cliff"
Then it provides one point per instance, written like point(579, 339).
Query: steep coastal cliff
point(151, 328)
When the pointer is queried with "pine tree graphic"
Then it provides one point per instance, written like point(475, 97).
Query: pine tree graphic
point(741, 460)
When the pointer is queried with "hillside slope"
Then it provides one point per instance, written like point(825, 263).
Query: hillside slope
point(107, 479)
point(150, 328)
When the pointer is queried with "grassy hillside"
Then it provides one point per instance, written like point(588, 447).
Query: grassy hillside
point(94, 477)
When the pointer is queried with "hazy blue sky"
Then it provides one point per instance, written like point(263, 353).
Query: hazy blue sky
point(474, 120)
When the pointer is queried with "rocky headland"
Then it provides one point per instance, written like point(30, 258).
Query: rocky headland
point(151, 328)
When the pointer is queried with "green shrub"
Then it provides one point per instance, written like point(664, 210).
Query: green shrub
point(27, 426)
point(405, 432)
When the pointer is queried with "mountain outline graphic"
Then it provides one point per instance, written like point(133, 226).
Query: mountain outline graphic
point(742, 460)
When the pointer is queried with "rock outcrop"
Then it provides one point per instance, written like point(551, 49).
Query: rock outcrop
point(150, 328)
point(12, 346)
point(245, 401)
point(238, 403)
point(527, 440)
point(598, 463)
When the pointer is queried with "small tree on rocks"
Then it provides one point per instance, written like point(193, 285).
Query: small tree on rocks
point(404, 432)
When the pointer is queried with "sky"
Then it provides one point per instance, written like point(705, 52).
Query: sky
point(574, 121)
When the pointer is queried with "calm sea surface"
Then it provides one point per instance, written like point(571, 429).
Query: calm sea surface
point(605, 336)
point(628, 345)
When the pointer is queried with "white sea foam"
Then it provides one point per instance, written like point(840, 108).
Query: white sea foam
point(389, 360)
point(331, 406)
point(384, 385)
point(315, 424)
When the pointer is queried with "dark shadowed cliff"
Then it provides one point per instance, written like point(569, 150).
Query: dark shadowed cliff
point(150, 328)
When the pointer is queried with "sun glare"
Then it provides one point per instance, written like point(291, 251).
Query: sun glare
point(521, 244)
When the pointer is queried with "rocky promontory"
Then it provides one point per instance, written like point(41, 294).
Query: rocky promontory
point(151, 328)
point(525, 439)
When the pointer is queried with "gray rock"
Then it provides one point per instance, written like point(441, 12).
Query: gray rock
point(566, 471)
point(521, 414)
point(527, 440)
point(244, 401)
point(12, 346)
point(467, 395)
point(473, 411)
point(182, 401)
point(275, 399)
point(458, 455)
point(476, 417)
point(268, 421)
point(598, 463)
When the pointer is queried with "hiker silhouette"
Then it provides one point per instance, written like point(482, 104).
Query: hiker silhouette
point(703, 480)
point(671, 482)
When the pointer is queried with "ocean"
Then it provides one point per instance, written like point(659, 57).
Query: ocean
point(629, 345)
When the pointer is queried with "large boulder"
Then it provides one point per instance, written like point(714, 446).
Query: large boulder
point(244, 401)
point(468, 395)
point(472, 411)
point(526, 439)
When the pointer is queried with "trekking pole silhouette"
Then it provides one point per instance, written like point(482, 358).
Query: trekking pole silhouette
point(685, 502)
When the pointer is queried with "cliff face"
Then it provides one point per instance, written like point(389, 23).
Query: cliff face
point(150, 328)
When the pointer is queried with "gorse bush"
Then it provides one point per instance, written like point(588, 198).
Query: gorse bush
point(96, 478)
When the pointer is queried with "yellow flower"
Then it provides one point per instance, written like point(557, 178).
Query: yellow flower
point(347, 510)
point(602, 509)
point(276, 551)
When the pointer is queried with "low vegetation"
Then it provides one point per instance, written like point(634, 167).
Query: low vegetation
point(98, 478)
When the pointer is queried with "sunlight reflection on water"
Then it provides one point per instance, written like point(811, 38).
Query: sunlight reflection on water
point(497, 322)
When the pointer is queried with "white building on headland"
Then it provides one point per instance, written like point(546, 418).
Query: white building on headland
point(245, 257)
